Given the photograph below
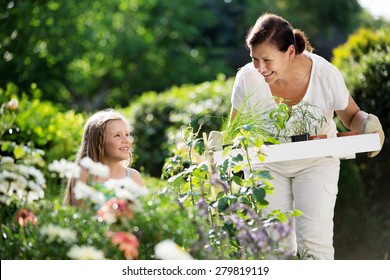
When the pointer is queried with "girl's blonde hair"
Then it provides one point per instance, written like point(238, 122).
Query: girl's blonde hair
point(92, 144)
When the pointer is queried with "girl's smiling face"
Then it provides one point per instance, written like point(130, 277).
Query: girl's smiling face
point(117, 141)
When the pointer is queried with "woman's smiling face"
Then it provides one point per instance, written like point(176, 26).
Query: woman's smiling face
point(271, 63)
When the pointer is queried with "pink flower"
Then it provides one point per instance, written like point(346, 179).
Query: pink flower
point(13, 104)
point(128, 243)
point(113, 209)
point(25, 216)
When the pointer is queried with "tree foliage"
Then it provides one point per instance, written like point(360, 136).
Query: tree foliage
point(87, 55)
point(104, 52)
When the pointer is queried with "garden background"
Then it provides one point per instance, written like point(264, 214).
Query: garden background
point(168, 65)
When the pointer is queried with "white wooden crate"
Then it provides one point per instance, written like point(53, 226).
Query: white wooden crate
point(341, 147)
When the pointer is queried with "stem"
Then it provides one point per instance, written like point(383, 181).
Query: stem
point(191, 187)
point(251, 172)
point(209, 165)
point(212, 189)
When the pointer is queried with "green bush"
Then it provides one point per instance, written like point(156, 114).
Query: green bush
point(364, 61)
point(42, 123)
point(359, 44)
point(367, 76)
point(157, 119)
point(121, 220)
point(42, 126)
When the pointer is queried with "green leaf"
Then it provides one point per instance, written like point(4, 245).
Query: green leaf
point(264, 174)
point(199, 147)
point(282, 217)
point(237, 180)
point(245, 200)
point(295, 213)
point(259, 194)
point(226, 150)
point(237, 168)
point(222, 204)
point(238, 158)
point(19, 152)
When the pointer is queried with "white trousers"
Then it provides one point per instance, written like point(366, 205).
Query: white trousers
point(310, 186)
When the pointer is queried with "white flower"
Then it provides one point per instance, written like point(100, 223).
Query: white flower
point(31, 173)
point(58, 233)
point(7, 176)
point(95, 168)
point(86, 162)
point(169, 250)
point(65, 168)
point(127, 188)
point(85, 253)
point(26, 183)
point(5, 160)
point(126, 183)
point(100, 170)
point(34, 192)
point(14, 186)
point(85, 192)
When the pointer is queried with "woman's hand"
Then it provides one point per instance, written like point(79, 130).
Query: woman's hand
point(373, 125)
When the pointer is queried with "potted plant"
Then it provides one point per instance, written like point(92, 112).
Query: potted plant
point(254, 117)
point(303, 121)
point(296, 122)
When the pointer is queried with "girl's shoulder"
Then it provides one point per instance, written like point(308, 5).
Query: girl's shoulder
point(135, 175)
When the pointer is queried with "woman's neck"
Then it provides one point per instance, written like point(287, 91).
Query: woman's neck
point(293, 87)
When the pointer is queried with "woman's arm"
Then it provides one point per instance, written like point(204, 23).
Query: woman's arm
point(357, 120)
point(352, 117)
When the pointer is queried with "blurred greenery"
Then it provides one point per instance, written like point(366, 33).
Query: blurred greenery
point(364, 61)
point(158, 120)
point(87, 55)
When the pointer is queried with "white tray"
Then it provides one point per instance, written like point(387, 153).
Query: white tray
point(341, 147)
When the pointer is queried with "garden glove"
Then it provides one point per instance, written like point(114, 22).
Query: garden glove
point(215, 141)
point(373, 125)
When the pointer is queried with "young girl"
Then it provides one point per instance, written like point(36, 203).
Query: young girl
point(106, 139)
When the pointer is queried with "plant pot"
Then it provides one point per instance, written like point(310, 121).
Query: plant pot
point(300, 137)
point(347, 133)
point(319, 136)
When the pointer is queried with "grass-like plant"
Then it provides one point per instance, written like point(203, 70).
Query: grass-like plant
point(256, 117)
point(302, 119)
point(299, 119)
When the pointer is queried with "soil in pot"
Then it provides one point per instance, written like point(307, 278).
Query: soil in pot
point(301, 137)
point(319, 136)
point(347, 133)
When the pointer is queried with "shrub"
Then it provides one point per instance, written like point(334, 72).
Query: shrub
point(121, 220)
point(158, 118)
point(367, 76)
point(41, 126)
point(364, 61)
